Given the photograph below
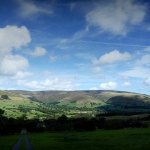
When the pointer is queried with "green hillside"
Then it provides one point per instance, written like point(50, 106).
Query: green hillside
point(80, 97)
point(17, 105)
point(50, 104)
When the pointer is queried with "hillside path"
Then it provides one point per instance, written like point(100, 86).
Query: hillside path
point(17, 145)
point(28, 145)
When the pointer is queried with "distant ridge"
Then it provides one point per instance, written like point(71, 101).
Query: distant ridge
point(45, 103)
point(83, 96)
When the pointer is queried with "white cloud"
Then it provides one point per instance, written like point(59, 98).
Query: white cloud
point(55, 84)
point(82, 66)
point(115, 16)
point(84, 55)
point(148, 28)
point(112, 57)
point(144, 60)
point(63, 41)
point(28, 8)
point(109, 85)
point(48, 73)
point(31, 84)
point(80, 34)
point(39, 51)
point(13, 37)
point(147, 81)
point(139, 72)
point(96, 70)
point(147, 49)
point(72, 5)
point(53, 58)
point(21, 75)
point(127, 84)
point(93, 88)
point(11, 64)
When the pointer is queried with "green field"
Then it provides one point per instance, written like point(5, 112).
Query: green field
point(7, 142)
point(126, 139)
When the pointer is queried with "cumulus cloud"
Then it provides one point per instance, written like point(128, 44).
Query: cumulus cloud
point(139, 72)
point(115, 16)
point(147, 81)
point(93, 88)
point(144, 60)
point(109, 85)
point(12, 38)
point(55, 84)
point(127, 84)
point(96, 70)
point(21, 75)
point(39, 51)
point(11, 64)
point(28, 8)
point(112, 57)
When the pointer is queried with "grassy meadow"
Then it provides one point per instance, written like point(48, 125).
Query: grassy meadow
point(8, 142)
point(125, 139)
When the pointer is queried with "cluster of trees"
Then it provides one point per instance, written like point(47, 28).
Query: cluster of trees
point(62, 123)
point(9, 125)
point(5, 97)
point(85, 124)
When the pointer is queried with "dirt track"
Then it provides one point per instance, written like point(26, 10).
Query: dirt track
point(17, 145)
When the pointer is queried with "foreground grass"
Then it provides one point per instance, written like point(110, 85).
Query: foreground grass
point(8, 142)
point(23, 144)
point(127, 139)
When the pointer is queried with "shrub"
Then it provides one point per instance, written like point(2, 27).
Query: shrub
point(5, 97)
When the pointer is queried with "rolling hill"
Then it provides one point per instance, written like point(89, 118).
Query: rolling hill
point(17, 105)
point(54, 103)
point(85, 97)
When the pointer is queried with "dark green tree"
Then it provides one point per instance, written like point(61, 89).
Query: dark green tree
point(5, 97)
point(1, 112)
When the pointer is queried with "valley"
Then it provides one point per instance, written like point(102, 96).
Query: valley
point(52, 104)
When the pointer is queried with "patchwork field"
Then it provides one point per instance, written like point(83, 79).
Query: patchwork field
point(51, 104)
point(18, 105)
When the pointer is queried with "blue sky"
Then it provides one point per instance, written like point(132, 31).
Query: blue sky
point(75, 45)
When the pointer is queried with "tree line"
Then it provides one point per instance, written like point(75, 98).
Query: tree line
point(63, 123)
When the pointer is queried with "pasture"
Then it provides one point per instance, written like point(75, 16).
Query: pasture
point(125, 139)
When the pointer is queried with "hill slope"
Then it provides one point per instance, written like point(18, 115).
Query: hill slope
point(17, 105)
point(55, 103)
point(83, 97)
